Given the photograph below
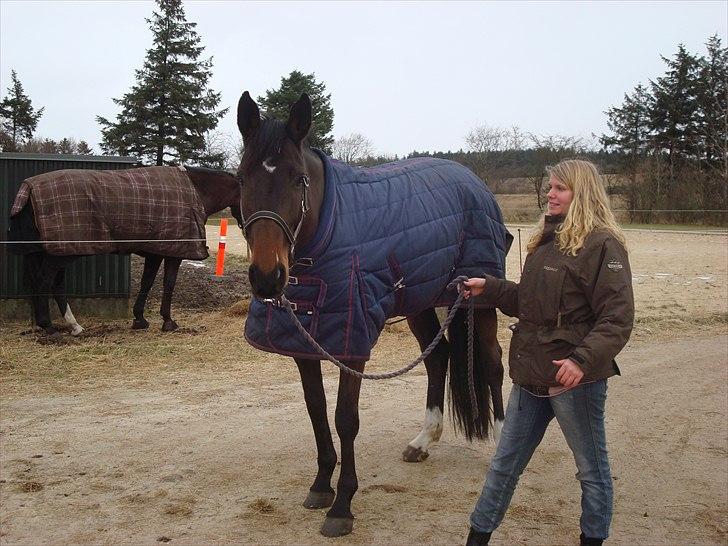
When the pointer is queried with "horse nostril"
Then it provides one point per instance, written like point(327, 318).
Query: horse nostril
point(280, 273)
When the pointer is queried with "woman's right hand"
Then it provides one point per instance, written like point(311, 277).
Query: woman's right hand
point(474, 287)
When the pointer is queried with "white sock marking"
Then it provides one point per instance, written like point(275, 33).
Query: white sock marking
point(497, 428)
point(431, 431)
point(71, 321)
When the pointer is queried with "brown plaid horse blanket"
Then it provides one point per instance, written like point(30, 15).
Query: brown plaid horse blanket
point(80, 212)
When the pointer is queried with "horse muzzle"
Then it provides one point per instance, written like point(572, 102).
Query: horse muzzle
point(268, 284)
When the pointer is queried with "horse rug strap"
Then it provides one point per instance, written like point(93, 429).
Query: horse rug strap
point(91, 212)
point(389, 240)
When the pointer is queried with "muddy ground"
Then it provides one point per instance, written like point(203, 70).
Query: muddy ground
point(193, 437)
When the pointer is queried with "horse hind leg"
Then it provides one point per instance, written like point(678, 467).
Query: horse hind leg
point(151, 266)
point(425, 327)
point(59, 294)
point(45, 278)
point(171, 268)
point(486, 327)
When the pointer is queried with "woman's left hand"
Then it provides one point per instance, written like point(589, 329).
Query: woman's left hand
point(569, 373)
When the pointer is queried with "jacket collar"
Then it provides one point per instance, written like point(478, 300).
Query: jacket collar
point(550, 225)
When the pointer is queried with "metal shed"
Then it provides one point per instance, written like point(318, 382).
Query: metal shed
point(96, 283)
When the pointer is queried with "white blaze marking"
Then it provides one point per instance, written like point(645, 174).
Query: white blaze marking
point(268, 167)
point(76, 328)
point(431, 431)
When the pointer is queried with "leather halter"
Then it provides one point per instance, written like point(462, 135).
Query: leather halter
point(291, 235)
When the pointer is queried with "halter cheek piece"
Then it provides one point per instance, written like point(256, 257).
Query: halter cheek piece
point(304, 182)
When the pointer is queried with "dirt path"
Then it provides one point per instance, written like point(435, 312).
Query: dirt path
point(194, 437)
point(229, 460)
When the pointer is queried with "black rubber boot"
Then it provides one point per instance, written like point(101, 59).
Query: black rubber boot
point(588, 541)
point(477, 539)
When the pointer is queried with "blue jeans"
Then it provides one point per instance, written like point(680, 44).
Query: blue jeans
point(580, 414)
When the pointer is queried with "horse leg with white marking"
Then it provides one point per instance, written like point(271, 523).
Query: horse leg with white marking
point(321, 495)
point(486, 328)
point(151, 266)
point(171, 268)
point(59, 294)
point(45, 278)
point(425, 326)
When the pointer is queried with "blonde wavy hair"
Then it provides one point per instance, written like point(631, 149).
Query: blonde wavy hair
point(589, 209)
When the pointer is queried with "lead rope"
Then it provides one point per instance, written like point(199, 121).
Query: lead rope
point(388, 375)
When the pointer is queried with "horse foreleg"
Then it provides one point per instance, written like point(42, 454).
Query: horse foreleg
point(339, 519)
point(59, 294)
point(425, 327)
point(31, 268)
point(321, 495)
point(171, 267)
point(486, 326)
point(45, 279)
point(151, 266)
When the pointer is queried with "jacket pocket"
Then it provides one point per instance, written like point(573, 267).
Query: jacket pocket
point(572, 334)
point(549, 295)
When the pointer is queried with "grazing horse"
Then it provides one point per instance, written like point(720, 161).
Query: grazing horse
point(156, 212)
point(351, 247)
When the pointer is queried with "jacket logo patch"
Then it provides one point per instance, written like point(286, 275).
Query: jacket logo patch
point(615, 265)
point(549, 268)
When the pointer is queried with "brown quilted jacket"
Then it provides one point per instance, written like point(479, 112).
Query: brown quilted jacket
point(568, 306)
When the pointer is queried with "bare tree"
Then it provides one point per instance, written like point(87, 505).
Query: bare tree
point(486, 144)
point(223, 150)
point(352, 148)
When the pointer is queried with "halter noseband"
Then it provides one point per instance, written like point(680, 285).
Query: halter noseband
point(270, 215)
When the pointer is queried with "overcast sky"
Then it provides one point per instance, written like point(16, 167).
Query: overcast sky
point(407, 75)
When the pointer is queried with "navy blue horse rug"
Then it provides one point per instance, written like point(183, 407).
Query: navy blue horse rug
point(389, 240)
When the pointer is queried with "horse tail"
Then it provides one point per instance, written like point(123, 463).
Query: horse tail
point(461, 408)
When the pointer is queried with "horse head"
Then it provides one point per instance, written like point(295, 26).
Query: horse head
point(275, 171)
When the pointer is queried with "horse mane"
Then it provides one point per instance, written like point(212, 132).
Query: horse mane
point(207, 170)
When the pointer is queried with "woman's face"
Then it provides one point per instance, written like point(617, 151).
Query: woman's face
point(559, 197)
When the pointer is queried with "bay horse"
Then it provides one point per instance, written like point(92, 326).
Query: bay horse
point(287, 199)
point(133, 214)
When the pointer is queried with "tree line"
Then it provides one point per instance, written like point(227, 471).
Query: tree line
point(667, 139)
point(672, 136)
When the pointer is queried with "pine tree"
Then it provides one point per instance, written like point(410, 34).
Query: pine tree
point(18, 118)
point(673, 111)
point(169, 110)
point(629, 124)
point(713, 103)
point(84, 149)
point(277, 103)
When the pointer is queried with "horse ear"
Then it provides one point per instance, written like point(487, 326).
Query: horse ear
point(248, 116)
point(299, 120)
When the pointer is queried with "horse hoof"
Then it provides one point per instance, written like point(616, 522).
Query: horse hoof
point(337, 527)
point(76, 329)
point(139, 324)
point(51, 331)
point(169, 326)
point(414, 455)
point(319, 499)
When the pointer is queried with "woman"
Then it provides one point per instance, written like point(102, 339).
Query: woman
point(575, 309)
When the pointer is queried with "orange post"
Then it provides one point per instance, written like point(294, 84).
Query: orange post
point(220, 266)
